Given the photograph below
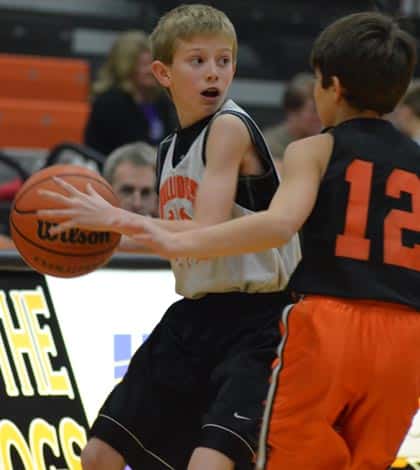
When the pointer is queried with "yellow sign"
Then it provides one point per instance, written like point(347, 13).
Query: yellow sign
point(42, 424)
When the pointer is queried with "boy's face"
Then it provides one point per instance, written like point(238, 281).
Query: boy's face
point(199, 76)
point(324, 101)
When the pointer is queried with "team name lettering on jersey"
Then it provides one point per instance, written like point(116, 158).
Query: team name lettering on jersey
point(177, 187)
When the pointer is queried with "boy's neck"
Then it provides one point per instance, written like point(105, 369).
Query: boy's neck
point(347, 113)
point(190, 121)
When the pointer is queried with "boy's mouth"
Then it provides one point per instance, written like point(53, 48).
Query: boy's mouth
point(211, 93)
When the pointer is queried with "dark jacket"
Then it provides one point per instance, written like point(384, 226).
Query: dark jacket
point(116, 119)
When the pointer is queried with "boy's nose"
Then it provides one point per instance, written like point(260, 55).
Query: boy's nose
point(212, 72)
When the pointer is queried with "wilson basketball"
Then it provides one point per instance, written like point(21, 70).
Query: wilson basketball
point(68, 254)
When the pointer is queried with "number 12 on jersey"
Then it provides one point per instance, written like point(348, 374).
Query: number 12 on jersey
point(353, 243)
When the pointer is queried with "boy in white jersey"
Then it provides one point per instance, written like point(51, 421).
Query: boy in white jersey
point(193, 395)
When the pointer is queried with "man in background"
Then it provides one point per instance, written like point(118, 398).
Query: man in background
point(407, 114)
point(130, 170)
point(300, 116)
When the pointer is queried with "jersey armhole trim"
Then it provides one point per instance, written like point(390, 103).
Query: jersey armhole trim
point(256, 138)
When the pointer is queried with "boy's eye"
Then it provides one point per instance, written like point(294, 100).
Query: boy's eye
point(196, 60)
point(224, 60)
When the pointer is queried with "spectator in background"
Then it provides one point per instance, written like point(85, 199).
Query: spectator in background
point(407, 114)
point(130, 170)
point(8, 191)
point(410, 7)
point(128, 105)
point(6, 243)
point(301, 119)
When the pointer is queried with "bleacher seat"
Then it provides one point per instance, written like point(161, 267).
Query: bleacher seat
point(43, 101)
point(43, 78)
point(36, 124)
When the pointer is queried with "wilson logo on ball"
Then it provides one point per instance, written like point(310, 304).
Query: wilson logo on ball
point(74, 235)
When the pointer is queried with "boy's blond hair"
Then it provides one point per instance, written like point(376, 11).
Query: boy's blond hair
point(185, 22)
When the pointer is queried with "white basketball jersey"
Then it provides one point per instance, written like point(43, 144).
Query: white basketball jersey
point(267, 271)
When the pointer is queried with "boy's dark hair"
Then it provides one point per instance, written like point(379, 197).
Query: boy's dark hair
point(372, 57)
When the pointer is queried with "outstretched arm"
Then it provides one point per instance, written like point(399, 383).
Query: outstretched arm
point(304, 165)
point(90, 211)
point(227, 143)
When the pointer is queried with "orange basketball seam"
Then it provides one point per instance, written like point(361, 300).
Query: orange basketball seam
point(54, 273)
point(37, 183)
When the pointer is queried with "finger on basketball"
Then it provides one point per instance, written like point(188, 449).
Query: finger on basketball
point(52, 213)
point(53, 195)
point(62, 227)
point(67, 186)
point(91, 191)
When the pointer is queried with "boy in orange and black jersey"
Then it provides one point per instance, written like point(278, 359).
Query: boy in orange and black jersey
point(347, 380)
point(364, 229)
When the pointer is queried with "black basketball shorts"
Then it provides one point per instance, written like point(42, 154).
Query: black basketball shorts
point(199, 380)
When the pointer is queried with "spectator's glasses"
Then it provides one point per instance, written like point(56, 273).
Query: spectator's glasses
point(127, 191)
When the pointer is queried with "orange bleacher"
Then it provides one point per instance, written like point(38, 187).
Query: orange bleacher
point(40, 124)
point(43, 78)
point(43, 101)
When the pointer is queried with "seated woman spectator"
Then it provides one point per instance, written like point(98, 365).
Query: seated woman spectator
point(128, 105)
point(6, 243)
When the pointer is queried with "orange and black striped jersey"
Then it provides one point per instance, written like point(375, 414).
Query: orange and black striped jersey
point(362, 239)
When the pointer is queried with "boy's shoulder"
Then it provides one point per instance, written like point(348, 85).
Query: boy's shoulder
point(230, 106)
point(315, 144)
point(232, 115)
point(311, 152)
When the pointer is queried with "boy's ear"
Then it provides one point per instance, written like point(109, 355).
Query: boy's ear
point(162, 73)
point(339, 90)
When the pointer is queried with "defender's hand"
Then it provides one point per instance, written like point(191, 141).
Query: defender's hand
point(88, 211)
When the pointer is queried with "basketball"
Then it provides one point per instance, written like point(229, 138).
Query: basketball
point(68, 254)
